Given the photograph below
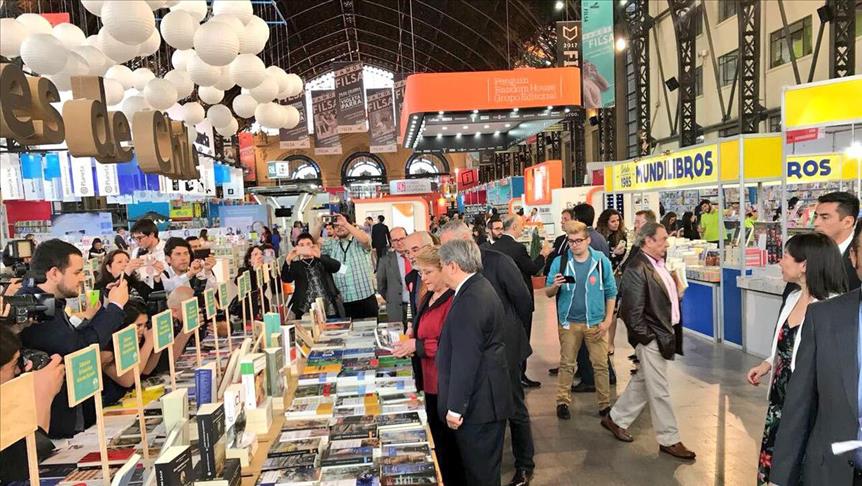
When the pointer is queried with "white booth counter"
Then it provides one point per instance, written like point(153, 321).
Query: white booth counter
point(761, 303)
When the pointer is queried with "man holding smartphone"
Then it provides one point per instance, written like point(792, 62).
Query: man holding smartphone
point(185, 271)
point(582, 280)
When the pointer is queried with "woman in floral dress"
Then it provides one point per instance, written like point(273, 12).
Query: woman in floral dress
point(814, 270)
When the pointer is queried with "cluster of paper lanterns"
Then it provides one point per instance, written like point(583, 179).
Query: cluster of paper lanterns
point(215, 56)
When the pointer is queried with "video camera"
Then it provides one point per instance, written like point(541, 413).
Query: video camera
point(25, 310)
point(16, 257)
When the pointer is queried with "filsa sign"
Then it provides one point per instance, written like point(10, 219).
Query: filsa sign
point(162, 146)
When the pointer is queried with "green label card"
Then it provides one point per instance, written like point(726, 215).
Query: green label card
point(271, 325)
point(210, 302)
point(259, 275)
point(244, 284)
point(163, 327)
point(83, 374)
point(126, 349)
point(223, 296)
point(191, 319)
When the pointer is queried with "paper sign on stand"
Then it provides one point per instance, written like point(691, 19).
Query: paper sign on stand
point(271, 329)
point(18, 418)
point(243, 283)
point(83, 381)
point(224, 303)
point(210, 308)
point(260, 276)
point(192, 323)
point(127, 359)
point(163, 330)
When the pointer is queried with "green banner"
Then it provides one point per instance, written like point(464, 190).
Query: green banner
point(271, 325)
point(191, 319)
point(163, 327)
point(210, 302)
point(83, 374)
point(597, 30)
point(126, 349)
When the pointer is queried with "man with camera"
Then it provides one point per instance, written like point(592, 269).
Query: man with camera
point(57, 272)
point(186, 268)
point(150, 248)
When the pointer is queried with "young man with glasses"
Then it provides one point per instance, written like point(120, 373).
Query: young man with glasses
point(582, 280)
point(150, 249)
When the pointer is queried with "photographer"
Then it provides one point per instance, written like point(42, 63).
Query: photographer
point(150, 249)
point(48, 381)
point(184, 271)
point(59, 267)
point(311, 273)
point(117, 264)
point(158, 362)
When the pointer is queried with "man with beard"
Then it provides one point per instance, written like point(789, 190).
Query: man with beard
point(62, 266)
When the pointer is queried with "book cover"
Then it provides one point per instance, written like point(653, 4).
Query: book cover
point(234, 413)
point(124, 475)
point(291, 435)
point(399, 420)
point(417, 468)
point(205, 384)
point(407, 480)
point(295, 476)
point(211, 439)
point(274, 377)
point(116, 457)
point(174, 467)
point(353, 431)
point(347, 457)
point(86, 477)
point(252, 373)
point(283, 462)
point(289, 448)
point(315, 390)
point(230, 476)
point(305, 424)
point(317, 378)
point(415, 435)
point(363, 475)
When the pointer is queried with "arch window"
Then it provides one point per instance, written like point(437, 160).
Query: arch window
point(426, 165)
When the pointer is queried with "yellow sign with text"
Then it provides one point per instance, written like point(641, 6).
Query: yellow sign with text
point(806, 169)
point(691, 167)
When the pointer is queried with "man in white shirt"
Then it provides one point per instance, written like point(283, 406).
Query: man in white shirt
point(835, 217)
point(391, 271)
point(150, 249)
point(183, 271)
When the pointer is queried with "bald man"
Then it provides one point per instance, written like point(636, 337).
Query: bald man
point(392, 268)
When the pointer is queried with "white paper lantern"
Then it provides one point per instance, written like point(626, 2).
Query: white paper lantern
point(292, 116)
point(129, 21)
point(254, 36)
point(244, 105)
point(178, 29)
point(210, 95)
point(266, 90)
point(225, 81)
point(142, 77)
point(123, 75)
point(171, 3)
point(61, 81)
point(295, 83)
point(204, 127)
point(216, 44)
point(242, 9)
point(175, 112)
point(76, 65)
point(69, 35)
point(202, 73)
point(197, 8)
point(35, 24)
point(12, 34)
point(180, 59)
point(247, 70)
point(98, 62)
point(43, 53)
point(92, 40)
point(229, 130)
point(160, 94)
point(193, 113)
point(270, 115)
point(280, 77)
point(219, 115)
point(151, 45)
point(93, 6)
point(119, 52)
point(182, 82)
point(114, 91)
point(134, 104)
point(156, 4)
point(235, 24)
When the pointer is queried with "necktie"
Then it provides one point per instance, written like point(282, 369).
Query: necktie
point(407, 267)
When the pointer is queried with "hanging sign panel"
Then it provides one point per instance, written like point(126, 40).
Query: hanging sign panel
point(598, 47)
point(31, 175)
point(569, 43)
point(397, 101)
point(11, 182)
point(805, 169)
point(351, 99)
point(692, 167)
point(381, 119)
point(325, 111)
point(296, 137)
point(82, 177)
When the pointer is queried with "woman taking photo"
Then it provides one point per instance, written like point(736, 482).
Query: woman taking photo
point(689, 226)
point(311, 273)
point(610, 225)
point(117, 263)
point(422, 345)
point(669, 221)
point(813, 262)
point(252, 262)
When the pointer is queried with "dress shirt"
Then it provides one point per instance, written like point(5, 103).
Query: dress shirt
point(858, 452)
point(402, 271)
point(669, 284)
point(173, 280)
point(158, 253)
point(845, 244)
point(458, 289)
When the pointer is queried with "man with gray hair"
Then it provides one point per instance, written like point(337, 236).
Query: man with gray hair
point(392, 270)
point(504, 276)
point(474, 395)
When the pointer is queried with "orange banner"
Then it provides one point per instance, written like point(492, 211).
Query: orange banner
point(540, 180)
point(490, 90)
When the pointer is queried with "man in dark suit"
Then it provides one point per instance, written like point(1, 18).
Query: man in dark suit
point(513, 226)
point(474, 394)
point(62, 265)
point(380, 238)
point(504, 276)
point(822, 405)
point(392, 269)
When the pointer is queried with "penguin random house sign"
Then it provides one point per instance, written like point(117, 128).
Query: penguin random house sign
point(410, 186)
point(161, 145)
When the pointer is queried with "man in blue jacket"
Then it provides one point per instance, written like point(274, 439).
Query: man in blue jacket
point(583, 280)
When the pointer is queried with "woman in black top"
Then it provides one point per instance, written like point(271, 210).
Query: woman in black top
point(610, 225)
point(689, 226)
point(251, 263)
point(671, 223)
point(311, 274)
point(97, 249)
point(117, 263)
point(115, 386)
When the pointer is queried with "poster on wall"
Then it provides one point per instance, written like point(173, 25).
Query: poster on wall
point(296, 137)
point(350, 96)
point(246, 156)
point(397, 101)
point(382, 121)
point(598, 50)
point(324, 109)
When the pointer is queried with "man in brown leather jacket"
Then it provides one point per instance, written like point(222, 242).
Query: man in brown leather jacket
point(650, 308)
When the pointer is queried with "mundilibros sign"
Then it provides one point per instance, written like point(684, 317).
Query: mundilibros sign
point(162, 145)
point(688, 167)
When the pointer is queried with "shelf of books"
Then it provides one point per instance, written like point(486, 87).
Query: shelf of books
point(315, 403)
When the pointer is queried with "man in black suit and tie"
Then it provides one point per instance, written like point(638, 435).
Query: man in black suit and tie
point(380, 239)
point(503, 275)
point(474, 394)
point(822, 405)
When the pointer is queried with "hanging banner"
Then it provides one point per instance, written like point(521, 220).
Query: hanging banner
point(325, 108)
point(207, 180)
point(11, 182)
point(234, 189)
point(31, 176)
point(247, 156)
point(82, 177)
point(107, 179)
point(397, 101)
point(296, 137)
point(66, 177)
point(52, 185)
point(351, 99)
point(598, 47)
point(569, 43)
point(380, 117)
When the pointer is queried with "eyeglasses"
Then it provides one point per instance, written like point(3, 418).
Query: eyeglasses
point(398, 240)
point(576, 241)
point(138, 237)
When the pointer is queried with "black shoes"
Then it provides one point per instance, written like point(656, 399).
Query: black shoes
point(528, 383)
point(583, 388)
point(563, 412)
point(604, 412)
point(553, 371)
point(522, 477)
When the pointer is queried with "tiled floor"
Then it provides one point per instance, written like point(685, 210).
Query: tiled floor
point(720, 417)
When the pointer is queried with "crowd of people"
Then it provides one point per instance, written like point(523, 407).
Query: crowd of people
point(465, 297)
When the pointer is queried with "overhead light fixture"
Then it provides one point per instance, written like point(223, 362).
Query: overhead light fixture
point(487, 127)
point(559, 5)
point(477, 134)
point(550, 108)
point(566, 110)
point(497, 133)
point(515, 110)
point(508, 125)
point(621, 44)
point(441, 112)
point(444, 128)
point(475, 111)
point(439, 135)
point(465, 127)
point(458, 134)
point(854, 151)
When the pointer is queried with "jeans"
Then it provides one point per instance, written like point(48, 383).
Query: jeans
point(596, 342)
